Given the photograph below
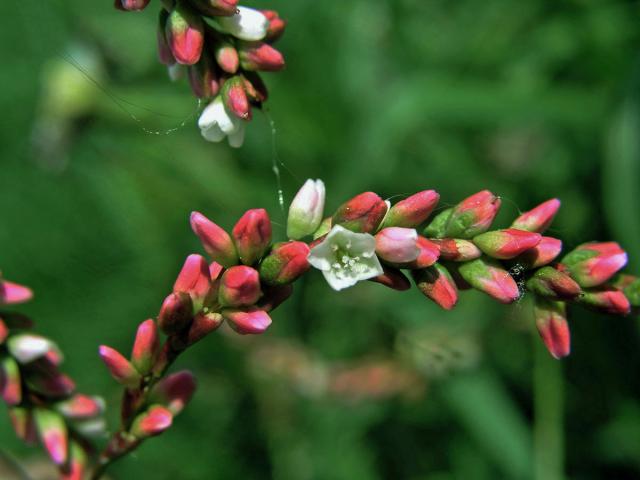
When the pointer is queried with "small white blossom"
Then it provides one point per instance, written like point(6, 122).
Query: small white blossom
point(216, 123)
point(346, 257)
point(247, 24)
point(27, 347)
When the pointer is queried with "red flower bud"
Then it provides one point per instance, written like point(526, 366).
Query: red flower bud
point(11, 293)
point(486, 275)
point(119, 367)
point(203, 324)
point(276, 25)
point(436, 283)
point(176, 313)
point(216, 8)
point(412, 211)
point(203, 78)
point(252, 235)
point(227, 57)
point(553, 284)
point(235, 98)
point(606, 301)
point(397, 245)
point(146, 347)
point(80, 407)
point(164, 50)
point(216, 242)
point(4, 331)
point(250, 321)
point(551, 321)
point(10, 381)
point(49, 382)
point(592, 264)
point(258, 56)
point(185, 33)
point(152, 422)
point(363, 213)
point(53, 434)
point(508, 243)
point(542, 254)
point(429, 254)
point(393, 278)
point(239, 286)
point(274, 295)
point(538, 219)
point(194, 278)
point(472, 216)
point(457, 250)
point(285, 263)
point(131, 5)
point(174, 391)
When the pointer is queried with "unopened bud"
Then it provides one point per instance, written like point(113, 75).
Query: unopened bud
point(393, 278)
point(592, 264)
point(235, 98)
point(152, 422)
point(174, 391)
point(457, 250)
point(216, 242)
point(507, 243)
point(203, 78)
point(363, 213)
point(553, 284)
point(239, 286)
point(27, 347)
point(487, 275)
point(306, 210)
point(606, 301)
point(429, 254)
point(77, 465)
point(397, 245)
point(542, 254)
point(10, 381)
point(249, 321)
point(412, 211)
point(194, 279)
point(437, 227)
point(436, 283)
point(551, 322)
point(80, 407)
point(185, 33)
point(473, 215)
point(246, 24)
point(257, 56)
point(131, 5)
point(276, 25)
point(538, 219)
point(11, 293)
point(49, 382)
point(164, 50)
point(252, 235)
point(4, 331)
point(146, 347)
point(285, 263)
point(227, 57)
point(120, 368)
point(216, 7)
point(23, 424)
point(176, 313)
point(53, 434)
point(203, 324)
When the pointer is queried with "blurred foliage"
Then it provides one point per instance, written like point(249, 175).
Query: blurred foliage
point(101, 164)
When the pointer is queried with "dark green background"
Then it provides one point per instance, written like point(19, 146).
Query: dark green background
point(531, 99)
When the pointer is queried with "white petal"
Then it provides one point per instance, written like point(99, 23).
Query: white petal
point(339, 283)
point(26, 348)
point(208, 116)
point(213, 133)
point(236, 139)
point(373, 268)
point(321, 256)
point(248, 24)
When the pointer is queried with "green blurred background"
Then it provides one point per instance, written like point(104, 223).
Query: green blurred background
point(101, 163)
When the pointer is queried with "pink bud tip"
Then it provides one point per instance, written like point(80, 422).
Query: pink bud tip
point(80, 407)
point(153, 422)
point(555, 333)
point(53, 433)
point(11, 293)
point(429, 253)
point(146, 346)
point(261, 57)
point(542, 254)
point(175, 391)
point(412, 211)
point(538, 219)
point(131, 5)
point(285, 263)
point(216, 242)
point(397, 244)
point(252, 235)
point(240, 285)
point(176, 313)
point(506, 244)
point(363, 213)
point(592, 264)
point(194, 277)
point(119, 367)
point(473, 215)
point(250, 321)
point(185, 34)
point(436, 283)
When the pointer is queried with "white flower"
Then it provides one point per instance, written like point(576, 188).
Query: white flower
point(27, 347)
point(305, 212)
point(216, 123)
point(346, 257)
point(247, 24)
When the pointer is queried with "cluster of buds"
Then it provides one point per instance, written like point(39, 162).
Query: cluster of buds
point(42, 402)
point(222, 47)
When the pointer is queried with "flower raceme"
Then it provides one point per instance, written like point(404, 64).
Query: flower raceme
point(223, 47)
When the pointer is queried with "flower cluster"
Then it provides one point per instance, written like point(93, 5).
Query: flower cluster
point(222, 46)
point(42, 402)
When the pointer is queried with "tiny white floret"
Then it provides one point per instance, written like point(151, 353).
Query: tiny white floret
point(247, 24)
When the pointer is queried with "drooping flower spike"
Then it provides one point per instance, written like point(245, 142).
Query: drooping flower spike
point(222, 46)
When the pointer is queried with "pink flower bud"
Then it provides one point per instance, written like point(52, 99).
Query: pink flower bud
point(592, 264)
point(252, 235)
point(164, 50)
point(215, 8)
point(131, 5)
point(285, 263)
point(472, 216)
point(49, 382)
point(306, 209)
point(235, 98)
point(23, 424)
point(397, 244)
point(412, 211)
point(146, 347)
point(176, 313)
point(4, 331)
point(10, 381)
point(77, 465)
point(436, 283)
point(363, 213)
point(53, 434)
point(152, 422)
point(457, 250)
point(11, 293)
point(274, 296)
point(227, 57)
point(250, 321)
point(393, 278)
point(258, 56)
point(553, 284)
point(194, 279)
point(538, 219)
point(276, 25)
point(542, 254)
point(606, 301)
point(216, 242)
point(486, 275)
point(185, 33)
point(119, 367)
point(80, 407)
point(551, 321)
point(174, 391)
point(508, 243)
point(429, 254)
point(203, 78)
point(203, 324)
point(239, 286)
